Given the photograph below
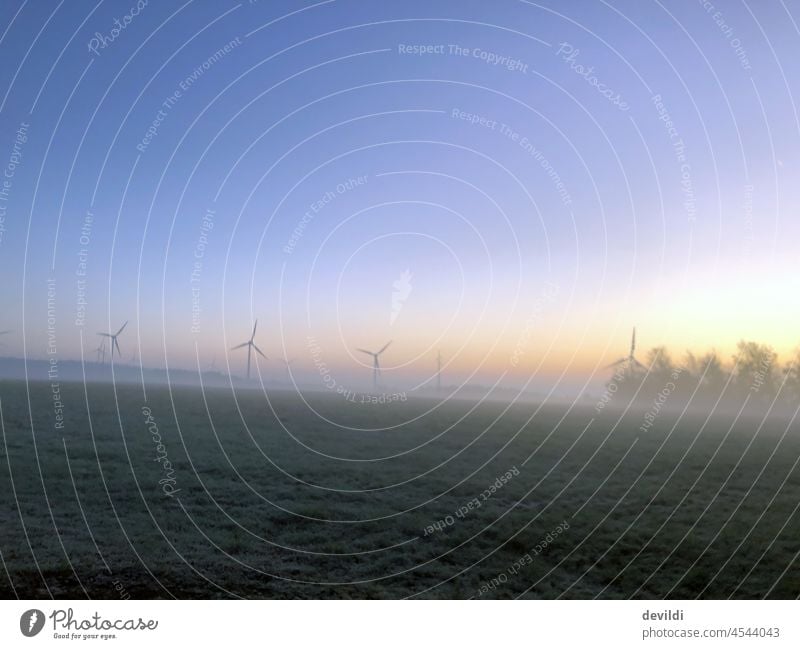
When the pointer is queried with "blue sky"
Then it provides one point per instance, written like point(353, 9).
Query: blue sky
point(573, 192)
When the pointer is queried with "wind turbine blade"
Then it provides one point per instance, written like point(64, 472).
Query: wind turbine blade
point(117, 345)
point(364, 351)
point(254, 329)
point(258, 350)
point(615, 363)
point(383, 349)
point(3, 333)
point(240, 346)
point(121, 328)
point(100, 333)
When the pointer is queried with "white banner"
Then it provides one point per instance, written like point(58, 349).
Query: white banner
point(354, 624)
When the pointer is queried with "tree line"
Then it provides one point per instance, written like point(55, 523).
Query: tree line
point(753, 373)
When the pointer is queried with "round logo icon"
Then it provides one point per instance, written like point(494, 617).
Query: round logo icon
point(31, 622)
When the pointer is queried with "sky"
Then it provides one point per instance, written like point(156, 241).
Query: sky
point(514, 184)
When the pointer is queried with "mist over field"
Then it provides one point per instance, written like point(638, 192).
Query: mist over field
point(241, 494)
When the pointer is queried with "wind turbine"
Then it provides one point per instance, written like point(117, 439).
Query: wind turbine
point(101, 352)
point(439, 371)
point(250, 347)
point(630, 359)
point(376, 368)
point(113, 337)
point(3, 333)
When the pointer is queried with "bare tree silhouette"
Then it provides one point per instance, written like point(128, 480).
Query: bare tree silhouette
point(753, 373)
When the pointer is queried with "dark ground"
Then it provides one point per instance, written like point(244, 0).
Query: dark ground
point(275, 502)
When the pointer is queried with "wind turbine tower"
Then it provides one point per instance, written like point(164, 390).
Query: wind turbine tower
point(113, 337)
point(250, 347)
point(376, 366)
point(629, 361)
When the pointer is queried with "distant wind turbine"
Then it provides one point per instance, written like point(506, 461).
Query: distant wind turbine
point(439, 371)
point(630, 359)
point(3, 333)
point(376, 368)
point(101, 352)
point(250, 347)
point(114, 341)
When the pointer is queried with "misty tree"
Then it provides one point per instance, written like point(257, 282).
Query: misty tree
point(659, 363)
point(662, 374)
point(755, 369)
point(708, 371)
point(791, 374)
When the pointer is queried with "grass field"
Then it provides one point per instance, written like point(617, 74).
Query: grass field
point(253, 495)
